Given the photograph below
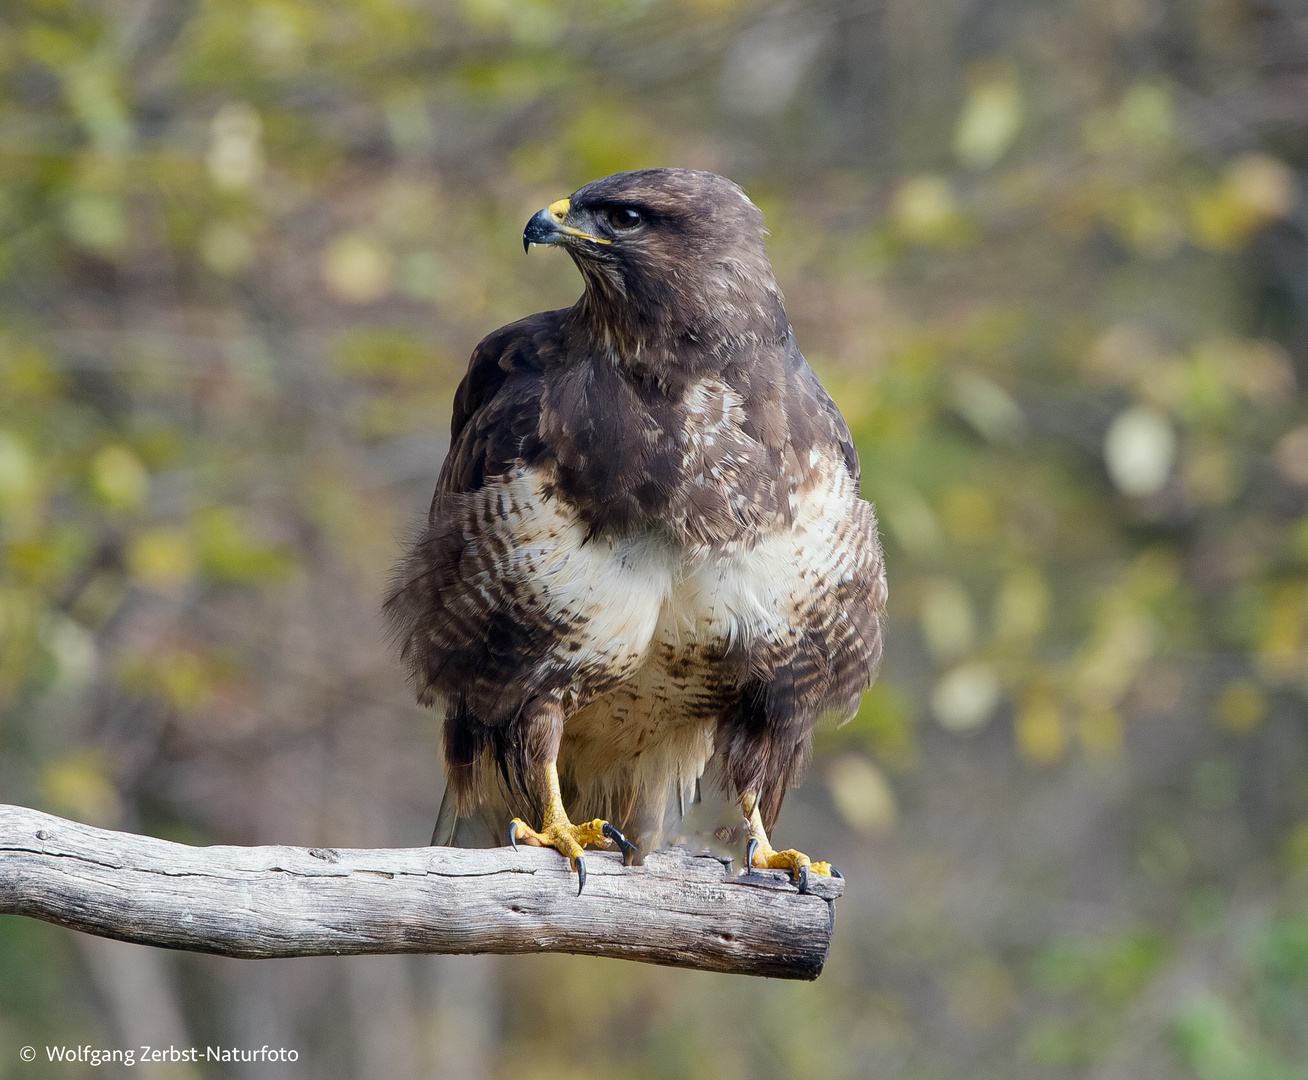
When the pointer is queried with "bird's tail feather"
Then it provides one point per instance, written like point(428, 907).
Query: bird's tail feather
point(486, 827)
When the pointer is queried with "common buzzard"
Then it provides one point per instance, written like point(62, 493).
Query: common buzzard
point(646, 555)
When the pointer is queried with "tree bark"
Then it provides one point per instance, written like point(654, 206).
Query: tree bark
point(257, 902)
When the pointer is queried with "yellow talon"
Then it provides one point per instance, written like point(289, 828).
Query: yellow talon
point(562, 835)
point(764, 857)
point(760, 854)
point(791, 860)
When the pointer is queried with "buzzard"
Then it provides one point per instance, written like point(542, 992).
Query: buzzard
point(646, 555)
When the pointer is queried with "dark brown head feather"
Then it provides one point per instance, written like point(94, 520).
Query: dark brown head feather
point(689, 288)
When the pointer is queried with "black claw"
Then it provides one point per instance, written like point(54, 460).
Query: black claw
point(801, 877)
point(750, 848)
point(581, 874)
point(628, 848)
point(513, 835)
point(837, 873)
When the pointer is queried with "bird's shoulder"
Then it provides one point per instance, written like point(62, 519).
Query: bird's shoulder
point(718, 452)
point(788, 410)
point(822, 423)
point(497, 405)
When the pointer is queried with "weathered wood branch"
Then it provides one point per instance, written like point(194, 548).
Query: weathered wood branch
point(257, 902)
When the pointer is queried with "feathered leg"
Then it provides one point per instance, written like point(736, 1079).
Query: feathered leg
point(556, 830)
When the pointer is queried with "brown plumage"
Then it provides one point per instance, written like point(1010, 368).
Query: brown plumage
point(646, 549)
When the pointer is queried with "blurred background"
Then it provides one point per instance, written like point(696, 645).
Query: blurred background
point(1051, 259)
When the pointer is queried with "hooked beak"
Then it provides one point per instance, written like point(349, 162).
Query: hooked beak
point(549, 226)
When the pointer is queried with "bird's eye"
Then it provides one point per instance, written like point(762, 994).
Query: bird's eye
point(623, 217)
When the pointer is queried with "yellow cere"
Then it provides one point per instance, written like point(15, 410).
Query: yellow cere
point(560, 210)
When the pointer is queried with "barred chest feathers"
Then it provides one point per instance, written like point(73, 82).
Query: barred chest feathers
point(741, 553)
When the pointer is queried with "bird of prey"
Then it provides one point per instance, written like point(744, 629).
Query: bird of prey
point(646, 555)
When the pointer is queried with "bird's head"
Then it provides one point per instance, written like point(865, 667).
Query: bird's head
point(670, 257)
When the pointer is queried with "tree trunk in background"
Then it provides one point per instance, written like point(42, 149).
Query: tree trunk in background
point(461, 1021)
point(136, 983)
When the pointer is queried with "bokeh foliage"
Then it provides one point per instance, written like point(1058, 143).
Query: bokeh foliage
point(1049, 259)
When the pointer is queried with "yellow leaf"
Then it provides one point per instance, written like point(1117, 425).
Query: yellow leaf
point(19, 487)
point(161, 558)
point(96, 221)
point(119, 479)
point(235, 157)
point(182, 678)
point(1146, 114)
point(946, 617)
point(926, 211)
point(1139, 450)
point(1280, 648)
point(226, 249)
point(229, 552)
point(1022, 606)
point(1041, 736)
point(357, 269)
point(862, 795)
point(1107, 667)
point(965, 698)
point(1254, 190)
point(990, 119)
point(1265, 186)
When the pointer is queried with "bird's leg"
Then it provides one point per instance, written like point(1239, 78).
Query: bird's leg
point(558, 832)
point(760, 853)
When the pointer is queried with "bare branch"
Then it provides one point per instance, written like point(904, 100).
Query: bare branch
point(258, 902)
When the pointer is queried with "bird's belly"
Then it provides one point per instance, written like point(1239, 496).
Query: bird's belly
point(727, 612)
point(637, 750)
point(652, 734)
